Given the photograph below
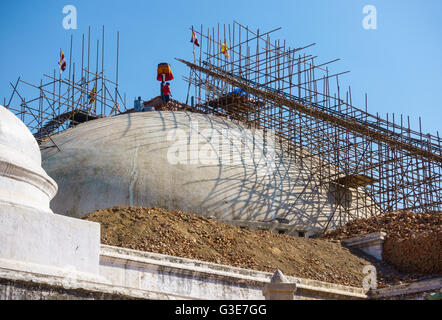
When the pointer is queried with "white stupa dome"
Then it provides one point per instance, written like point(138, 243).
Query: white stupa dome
point(22, 180)
point(160, 159)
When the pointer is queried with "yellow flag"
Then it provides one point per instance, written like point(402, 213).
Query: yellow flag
point(93, 96)
point(225, 50)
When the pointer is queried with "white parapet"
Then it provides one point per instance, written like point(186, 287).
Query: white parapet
point(195, 279)
point(47, 243)
point(410, 291)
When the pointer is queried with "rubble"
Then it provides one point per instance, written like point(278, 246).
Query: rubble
point(397, 225)
point(190, 236)
point(421, 253)
point(413, 243)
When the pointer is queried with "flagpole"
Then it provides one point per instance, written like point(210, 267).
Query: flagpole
point(194, 62)
point(193, 42)
point(59, 85)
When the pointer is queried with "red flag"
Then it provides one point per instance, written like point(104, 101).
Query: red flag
point(194, 40)
point(62, 62)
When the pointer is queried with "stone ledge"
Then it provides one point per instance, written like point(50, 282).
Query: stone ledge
point(234, 275)
point(365, 239)
point(407, 289)
point(132, 263)
point(67, 273)
point(371, 243)
point(90, 286)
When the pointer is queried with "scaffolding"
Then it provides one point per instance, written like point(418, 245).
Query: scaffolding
point(268, 85)
point(60, 102)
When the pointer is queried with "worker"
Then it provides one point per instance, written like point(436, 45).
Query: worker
point(165, 93)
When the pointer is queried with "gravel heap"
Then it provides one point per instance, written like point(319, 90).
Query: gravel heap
point(190, 236)
point(413, 244)
point(397, 225)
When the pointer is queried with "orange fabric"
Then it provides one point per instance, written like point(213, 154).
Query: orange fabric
point(164, 68)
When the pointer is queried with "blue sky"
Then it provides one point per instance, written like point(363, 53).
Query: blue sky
point(399, 64)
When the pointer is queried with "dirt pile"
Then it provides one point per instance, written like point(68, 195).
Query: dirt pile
point(413, 243)
point(421, 254)
point(398, 225)
point(190, 236)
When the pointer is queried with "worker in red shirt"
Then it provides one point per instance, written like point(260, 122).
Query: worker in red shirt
point(165, 93)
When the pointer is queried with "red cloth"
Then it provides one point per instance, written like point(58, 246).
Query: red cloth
point(165, 90)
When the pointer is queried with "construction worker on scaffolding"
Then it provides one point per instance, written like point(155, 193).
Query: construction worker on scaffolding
point(164, 73)
point(165, 93)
